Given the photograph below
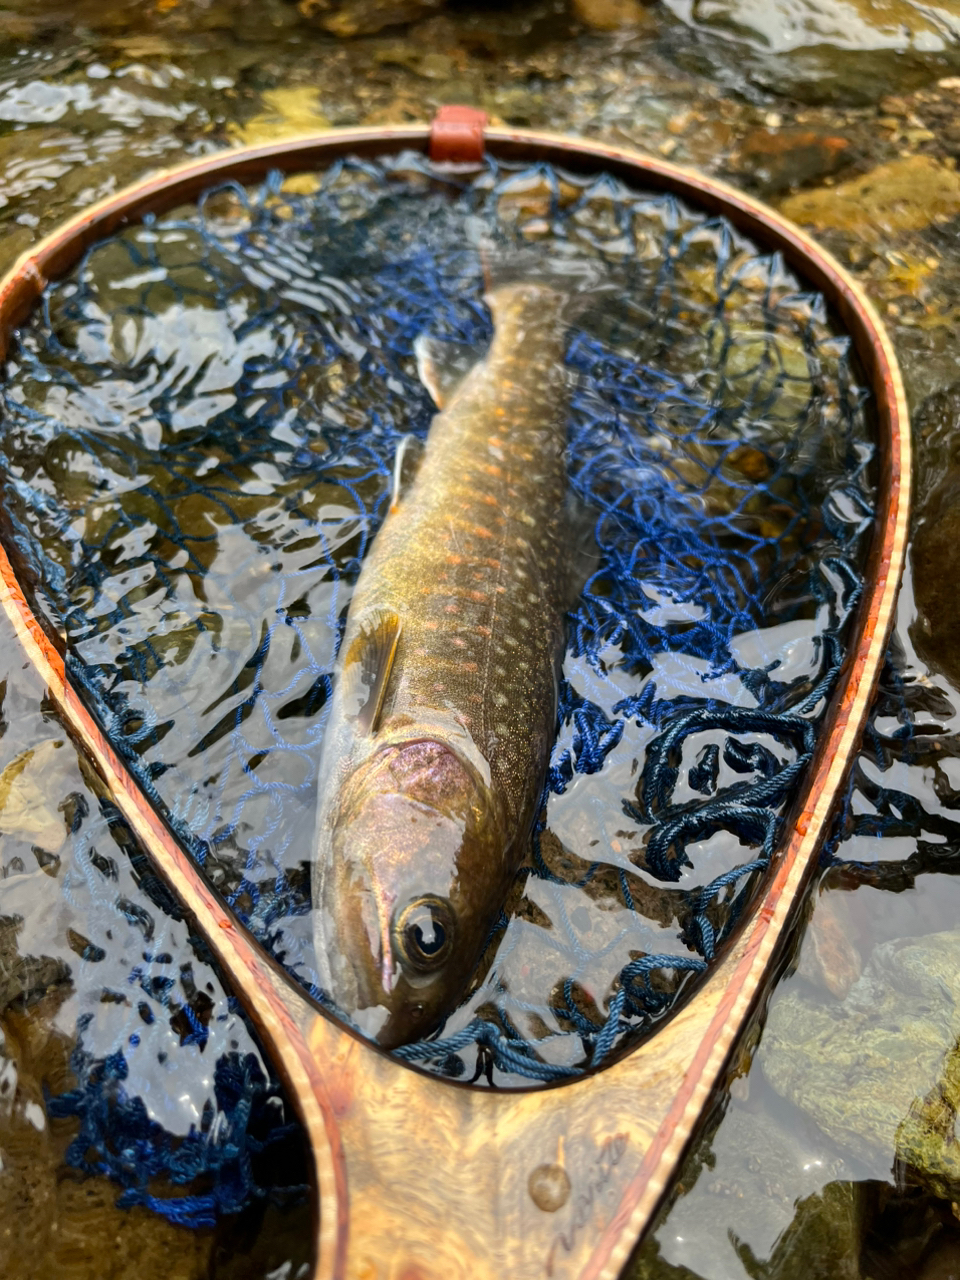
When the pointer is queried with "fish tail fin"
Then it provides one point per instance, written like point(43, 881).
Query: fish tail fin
point(563, 270)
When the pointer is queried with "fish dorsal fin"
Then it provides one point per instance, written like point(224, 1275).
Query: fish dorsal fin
point(367, 667)
point(406, 463)
point(442, 366)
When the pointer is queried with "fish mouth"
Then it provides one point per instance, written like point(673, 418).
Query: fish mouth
point(388, 966)
point(355, 976)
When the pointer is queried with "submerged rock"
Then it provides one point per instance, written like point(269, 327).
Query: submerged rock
point(28, 808)
point(908, 194)
point(778, 159)
point(870, 1069)
point(286, 113)
point(611, 15)
point(936, 632)
point(782, 26)
point(365, 17)
point(829, 956)
point(936, 542)
point(767, 1202)
point(927, 1145)
point(57, 1223)
point(822, 1240)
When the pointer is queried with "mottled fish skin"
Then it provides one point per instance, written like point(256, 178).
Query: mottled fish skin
point(430, 778)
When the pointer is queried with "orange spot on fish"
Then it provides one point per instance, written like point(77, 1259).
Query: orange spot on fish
point(451, 608)
point(453, 558)
point(458, 641)
point(495, 440)
point(492, 469)
point(483, 631)
point(469, 666)
point(479, 531)
point(480, 596)
point(430, 626)
point(474, 697)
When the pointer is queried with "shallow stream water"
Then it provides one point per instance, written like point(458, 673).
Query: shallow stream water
point(825, 1159)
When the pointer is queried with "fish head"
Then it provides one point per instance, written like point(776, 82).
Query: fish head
point(416, 865)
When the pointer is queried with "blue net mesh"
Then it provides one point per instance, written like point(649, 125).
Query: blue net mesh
point(199, 430)
point(171, 1096)
point(900, 815)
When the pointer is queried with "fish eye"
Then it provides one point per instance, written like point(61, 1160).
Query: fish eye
point(423, 933)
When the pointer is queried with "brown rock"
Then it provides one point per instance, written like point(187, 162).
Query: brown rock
point(943, 1263)
point(935, 549)
point(905, 195)
point(610, 15)
point(784, 158)
point(829, 956)
point(935, 557)
point(366, 17)
point(54, 1221)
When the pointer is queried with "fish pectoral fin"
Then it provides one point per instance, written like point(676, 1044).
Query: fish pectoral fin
point(406, 464)
point(442, 366)
point(367, 667)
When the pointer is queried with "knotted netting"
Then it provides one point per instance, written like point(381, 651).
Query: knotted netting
point(200, 424)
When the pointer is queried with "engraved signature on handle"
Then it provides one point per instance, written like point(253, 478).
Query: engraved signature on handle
point(609, 1156)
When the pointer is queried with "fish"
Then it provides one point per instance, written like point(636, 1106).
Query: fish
point(444, 704)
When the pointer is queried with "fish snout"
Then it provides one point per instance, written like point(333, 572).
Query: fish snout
point(386, 967)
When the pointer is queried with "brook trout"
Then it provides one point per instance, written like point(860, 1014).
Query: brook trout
point(445, 696)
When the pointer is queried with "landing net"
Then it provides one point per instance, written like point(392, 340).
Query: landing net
point(199, 430)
